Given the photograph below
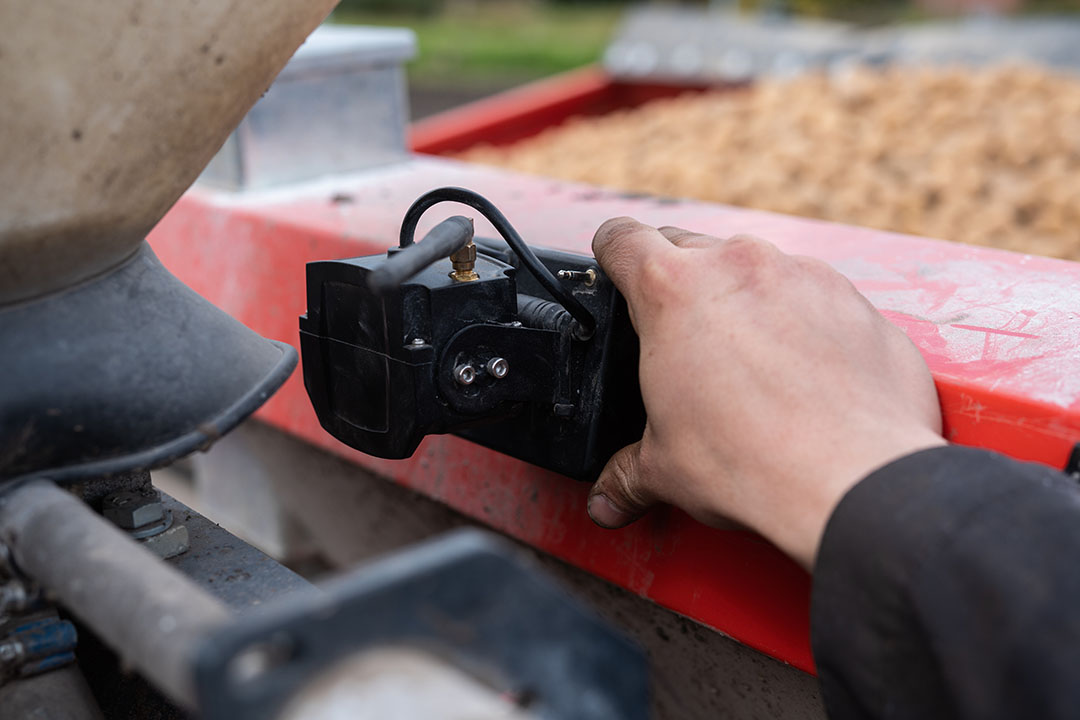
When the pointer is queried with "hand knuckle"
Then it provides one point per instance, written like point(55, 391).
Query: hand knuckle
point(749, 257)
point(822, 274)
point(819, 270)
point(615, 229)
point(752, 249)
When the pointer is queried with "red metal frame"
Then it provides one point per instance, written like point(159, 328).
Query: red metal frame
point(520, 113)
point(999, 331)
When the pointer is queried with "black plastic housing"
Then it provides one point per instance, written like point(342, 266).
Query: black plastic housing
point(379, 369)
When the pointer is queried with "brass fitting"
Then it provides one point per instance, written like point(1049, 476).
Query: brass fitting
point(464, 262)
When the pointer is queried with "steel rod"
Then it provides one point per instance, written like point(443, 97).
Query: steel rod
point(142, 608)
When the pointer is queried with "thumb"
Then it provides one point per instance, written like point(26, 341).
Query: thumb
point(619, 496)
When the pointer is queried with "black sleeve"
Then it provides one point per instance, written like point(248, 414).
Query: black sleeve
point(948, 586)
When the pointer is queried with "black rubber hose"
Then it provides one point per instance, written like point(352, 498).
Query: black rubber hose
point(446, 238)
point(586, 322)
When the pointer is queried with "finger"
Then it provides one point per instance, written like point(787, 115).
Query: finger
point(623, 246)
point(686, 238)
point(619, 495)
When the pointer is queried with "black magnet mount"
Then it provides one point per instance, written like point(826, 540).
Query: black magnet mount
point(540, 365)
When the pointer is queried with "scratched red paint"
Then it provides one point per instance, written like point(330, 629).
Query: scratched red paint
point(1016, 390)
point(995, 331)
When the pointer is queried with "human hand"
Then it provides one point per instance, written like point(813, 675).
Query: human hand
point(770, 384)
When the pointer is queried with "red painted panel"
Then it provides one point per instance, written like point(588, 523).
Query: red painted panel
point(1000, 332)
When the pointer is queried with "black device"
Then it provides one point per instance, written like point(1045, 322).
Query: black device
point(527, 351)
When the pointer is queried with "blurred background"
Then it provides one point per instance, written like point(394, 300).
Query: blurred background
point(470, 48)
point(956, 119)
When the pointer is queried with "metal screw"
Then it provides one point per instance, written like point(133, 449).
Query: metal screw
point(131, 510)
point(417, 341)
point(497, 367)
point(583, 276)
point(465, 374)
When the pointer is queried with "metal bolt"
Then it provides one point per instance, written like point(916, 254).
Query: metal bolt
point(588, 277)
point(465, 374)
point(14, 597)
point(497, 367)
point(131, 510)
point(11, 652)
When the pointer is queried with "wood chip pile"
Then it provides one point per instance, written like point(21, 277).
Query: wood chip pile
point(989, 156)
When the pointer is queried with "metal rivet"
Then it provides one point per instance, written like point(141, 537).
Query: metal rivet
point(497, 367)
point(417, 341)
point(465, 374)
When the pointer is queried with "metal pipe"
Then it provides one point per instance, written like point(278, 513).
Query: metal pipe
point(149, 613)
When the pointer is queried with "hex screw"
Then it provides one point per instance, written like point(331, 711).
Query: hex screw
point(497, 367)
point(465, 374)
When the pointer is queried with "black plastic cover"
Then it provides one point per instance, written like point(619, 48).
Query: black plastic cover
point(380, 368)
point(128, 371)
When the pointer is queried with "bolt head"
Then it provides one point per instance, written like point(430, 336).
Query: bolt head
point(10, 651)
point(131, 510)
point(465, 374)
point(497, 367)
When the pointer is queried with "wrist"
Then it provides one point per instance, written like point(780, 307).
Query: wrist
point(797, 526)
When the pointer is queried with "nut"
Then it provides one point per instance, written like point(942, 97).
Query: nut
point(131, 510)
point(497, 367)
point(465, 374)
point(174, 541)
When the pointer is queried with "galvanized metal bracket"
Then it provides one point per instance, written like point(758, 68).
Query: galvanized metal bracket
point(466, 597)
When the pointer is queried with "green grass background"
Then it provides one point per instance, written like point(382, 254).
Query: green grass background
point(496, 44)
point(473, 44)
